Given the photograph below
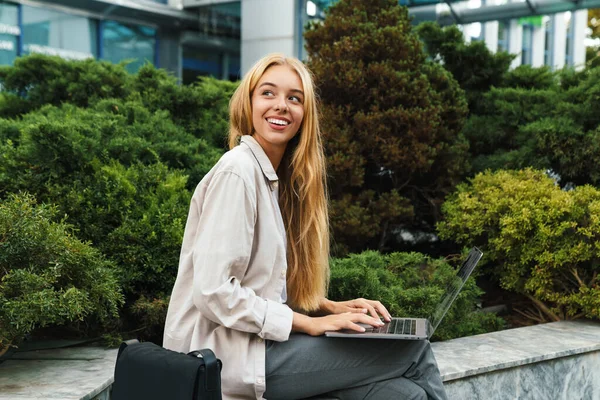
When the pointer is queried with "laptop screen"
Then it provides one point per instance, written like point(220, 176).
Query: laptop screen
point(454, 288)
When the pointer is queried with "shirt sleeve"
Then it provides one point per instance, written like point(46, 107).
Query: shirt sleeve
point(221, 256)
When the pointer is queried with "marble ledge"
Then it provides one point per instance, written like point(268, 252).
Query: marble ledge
point(561, 356)
point(567, 378)
point(77, 373)
point(474, 355)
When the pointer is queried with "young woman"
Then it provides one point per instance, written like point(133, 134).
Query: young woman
point(253, 268)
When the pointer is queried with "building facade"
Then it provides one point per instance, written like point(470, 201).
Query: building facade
point(188, 43)
point(556, 40)
point(223, 38)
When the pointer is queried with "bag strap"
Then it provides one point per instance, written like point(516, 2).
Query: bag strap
point(124, 345)
point(213, 372)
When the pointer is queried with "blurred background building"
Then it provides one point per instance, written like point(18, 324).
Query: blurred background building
point(223, 38)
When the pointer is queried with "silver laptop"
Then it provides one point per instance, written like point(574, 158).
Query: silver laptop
point(418, 328)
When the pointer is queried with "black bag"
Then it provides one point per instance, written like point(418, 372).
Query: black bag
point(151, 372)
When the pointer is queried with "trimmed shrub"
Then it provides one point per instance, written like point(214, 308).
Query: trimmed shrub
point(539, 240)
point(201, 108)
point(528, 77)
point(136, 216)
point(411, 284)
point(48, 276)
point(36, 80)
point(117, 155)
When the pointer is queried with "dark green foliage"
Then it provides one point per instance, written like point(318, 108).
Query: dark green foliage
point(411, 285)
point(188, 105)
point(48, 276)
point(152, 314)
point(569, 77)
point(526, 117)
point(539, 240)
point(474, 67)
point(592, 57)
point(62, 144)
point(550, 122)
point(496, 134)
point(527, 77)
point(572, 151)
point(391, 122)
point(37, 80)
point(120, 166)
point(136, 216)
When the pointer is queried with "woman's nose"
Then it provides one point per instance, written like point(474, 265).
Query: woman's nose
point(281, 105)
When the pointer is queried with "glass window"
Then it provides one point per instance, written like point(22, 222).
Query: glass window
point(527, 44)
point(57, 33)
point(203, 62)
point(128, 42)
point(200, 63)
point(235, 66)
point(221, 20)
point(548, 43)
point(9, 33)
point(502, 36)
point(569, 44)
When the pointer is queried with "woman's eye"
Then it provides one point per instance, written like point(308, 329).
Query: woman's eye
point(267, 93)
point(296, 98)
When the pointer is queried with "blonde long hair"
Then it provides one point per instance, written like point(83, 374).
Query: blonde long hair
point(303, 189)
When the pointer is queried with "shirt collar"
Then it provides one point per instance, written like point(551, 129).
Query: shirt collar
point(263, 160)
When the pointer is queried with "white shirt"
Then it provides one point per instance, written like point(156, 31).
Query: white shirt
point(232, 271)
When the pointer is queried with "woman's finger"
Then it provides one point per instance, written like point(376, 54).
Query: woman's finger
point(366, 319)
point(383, 311)
point(379, 309)
point(355, 327)
point(360, 310)
point(368, 305)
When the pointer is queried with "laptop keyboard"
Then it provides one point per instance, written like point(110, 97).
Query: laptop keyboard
point(399, 326)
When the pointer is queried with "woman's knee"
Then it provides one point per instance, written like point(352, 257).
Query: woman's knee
point(399, 388)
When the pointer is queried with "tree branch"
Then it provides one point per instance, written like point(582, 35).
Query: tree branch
point(541, 306)
point(576, 275)
point(530, 316)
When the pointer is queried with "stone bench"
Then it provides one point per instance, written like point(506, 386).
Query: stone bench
point(560, 360)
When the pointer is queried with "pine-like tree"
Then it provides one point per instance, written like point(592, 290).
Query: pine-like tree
point(391, 121)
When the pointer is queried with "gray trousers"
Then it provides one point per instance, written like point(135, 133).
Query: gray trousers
point(351, 369)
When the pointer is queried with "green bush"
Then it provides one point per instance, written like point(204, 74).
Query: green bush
point(48, 276)
point(546, 121)
point(37, 80)
point(136, 216)
point(117, 154)
point(201, 108)
point(539, 240)
point(411, 284)
point(525, 117)
point(63, 144)
point(473, 65)
point(528, 77)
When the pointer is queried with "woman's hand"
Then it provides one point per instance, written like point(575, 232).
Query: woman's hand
point(316, 326)
point(364, 306)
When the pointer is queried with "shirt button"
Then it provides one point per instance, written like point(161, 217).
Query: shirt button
point(283, 272)
point(260, 340)
point(260, 381)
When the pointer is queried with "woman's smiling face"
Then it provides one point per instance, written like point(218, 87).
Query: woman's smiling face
point(277, 108)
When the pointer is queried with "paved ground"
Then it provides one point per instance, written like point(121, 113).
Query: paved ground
point(69, 373)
